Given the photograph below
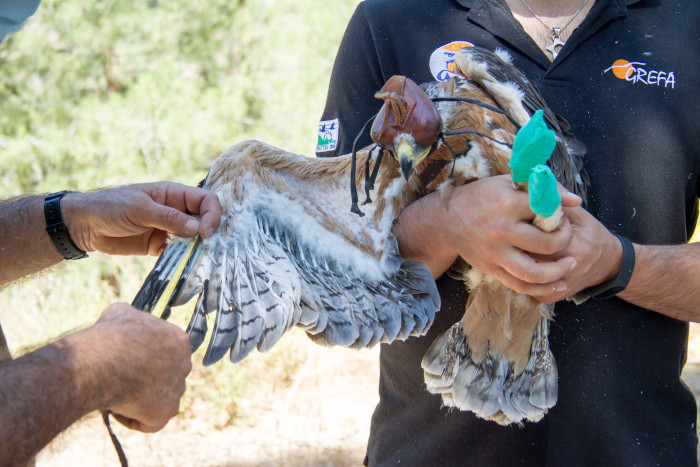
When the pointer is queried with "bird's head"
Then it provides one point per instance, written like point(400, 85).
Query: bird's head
point(408, 123)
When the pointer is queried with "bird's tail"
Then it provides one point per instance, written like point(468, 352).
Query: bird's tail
point(485, 380)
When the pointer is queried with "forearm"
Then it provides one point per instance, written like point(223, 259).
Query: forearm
point(25, 246)
point(42, 393)
point(666, 279)
point(419, 232)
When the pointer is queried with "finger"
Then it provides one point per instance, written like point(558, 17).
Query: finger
point(137, 425)
point(568, 199)
point(526, 269)
point(171, 220)
point(130, 423)
point(191, 199)
point(210, 215)
point(532, 240)
point(156, 242)
point(577, 215)
point(534, 290)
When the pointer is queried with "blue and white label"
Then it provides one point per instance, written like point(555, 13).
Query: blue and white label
point(327, 135)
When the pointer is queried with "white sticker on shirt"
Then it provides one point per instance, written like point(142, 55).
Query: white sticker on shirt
point(442, 60)
point(327, 135)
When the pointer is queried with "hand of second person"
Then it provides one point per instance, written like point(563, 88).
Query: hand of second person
point(489, 224)
point(142, 362)
point(135, 219)
point(597, 251)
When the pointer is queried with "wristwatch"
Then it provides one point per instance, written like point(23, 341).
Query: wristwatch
point(618, 283)
point(57, 229)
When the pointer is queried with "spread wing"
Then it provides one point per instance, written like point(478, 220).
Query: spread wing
point(289, 252)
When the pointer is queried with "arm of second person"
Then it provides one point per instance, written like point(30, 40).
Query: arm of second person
point(132, 219)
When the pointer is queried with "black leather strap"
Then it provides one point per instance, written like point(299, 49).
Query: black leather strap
point(57, 230)
point(618, 283)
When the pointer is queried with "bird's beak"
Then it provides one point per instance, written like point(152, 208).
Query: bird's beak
point(410, 156)
point(406, 165)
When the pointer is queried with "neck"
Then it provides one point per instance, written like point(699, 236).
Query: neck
point(564, 14)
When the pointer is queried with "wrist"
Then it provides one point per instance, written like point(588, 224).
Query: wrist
point(420, 231)
point(620, 272)
point(74, 208)
point(57, 228)
point(90, 367)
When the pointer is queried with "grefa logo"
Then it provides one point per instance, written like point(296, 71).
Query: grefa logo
point(635, 72)
point(442, 60)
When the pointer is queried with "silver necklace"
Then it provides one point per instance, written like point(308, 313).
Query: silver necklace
point(556, 32)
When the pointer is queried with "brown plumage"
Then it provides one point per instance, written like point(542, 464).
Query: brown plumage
point(289, 251)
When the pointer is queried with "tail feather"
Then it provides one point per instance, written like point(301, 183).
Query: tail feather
point(490, 387)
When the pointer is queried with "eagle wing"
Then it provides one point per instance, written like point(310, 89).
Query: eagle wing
point(289, 252)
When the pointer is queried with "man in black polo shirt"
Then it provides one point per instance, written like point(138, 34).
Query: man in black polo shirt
point(624, 74)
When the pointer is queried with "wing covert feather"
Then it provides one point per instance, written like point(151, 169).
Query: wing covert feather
point(289, 252)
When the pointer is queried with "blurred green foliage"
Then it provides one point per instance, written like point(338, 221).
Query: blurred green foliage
point(108, 92)
point(98, 93)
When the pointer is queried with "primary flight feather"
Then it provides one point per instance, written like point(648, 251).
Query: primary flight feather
point(289, 250)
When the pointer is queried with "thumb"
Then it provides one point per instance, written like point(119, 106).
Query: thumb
point(175, 222)
point(568, 199)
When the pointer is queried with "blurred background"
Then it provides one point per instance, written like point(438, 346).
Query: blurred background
point(102, 93)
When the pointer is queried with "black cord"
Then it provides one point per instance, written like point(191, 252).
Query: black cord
point(479, 103)
point(353, 163)
point(115, 442)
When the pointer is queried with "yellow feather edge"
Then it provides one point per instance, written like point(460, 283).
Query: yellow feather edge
point(159, 308)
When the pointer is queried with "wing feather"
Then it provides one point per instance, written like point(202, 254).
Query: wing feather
point(288, 252)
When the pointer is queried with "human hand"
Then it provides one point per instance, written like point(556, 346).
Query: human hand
point(135, 219)
point(142, 363)
point(598, 255)
point(489, 224)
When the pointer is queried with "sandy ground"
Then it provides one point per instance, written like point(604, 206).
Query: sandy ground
point(320, 419)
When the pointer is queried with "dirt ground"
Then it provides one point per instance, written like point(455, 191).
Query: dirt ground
point(320, 419)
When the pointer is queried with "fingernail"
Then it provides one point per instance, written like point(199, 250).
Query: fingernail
point(209, 232)
point(560, 288)
point(573, 265)
point(191, 226)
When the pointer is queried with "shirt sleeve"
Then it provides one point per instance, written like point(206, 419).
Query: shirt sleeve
point(355, 78)
point(14, 14)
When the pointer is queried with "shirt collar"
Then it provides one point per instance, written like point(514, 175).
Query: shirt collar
point(471, 3)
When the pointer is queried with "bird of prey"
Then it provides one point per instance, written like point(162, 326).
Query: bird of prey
point(290, 251)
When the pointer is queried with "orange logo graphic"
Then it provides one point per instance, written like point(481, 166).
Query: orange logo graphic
point(634, 72)
point(442, 60)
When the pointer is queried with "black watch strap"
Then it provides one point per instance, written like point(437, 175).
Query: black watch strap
point(618, 283)
point(57, 230)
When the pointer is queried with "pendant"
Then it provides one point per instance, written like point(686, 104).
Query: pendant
point(556, 41)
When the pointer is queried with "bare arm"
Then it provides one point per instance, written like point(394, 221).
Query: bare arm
point(488, 223)
point(131, 219)
point(666, 278)
point(129, 362)
point(25, 247)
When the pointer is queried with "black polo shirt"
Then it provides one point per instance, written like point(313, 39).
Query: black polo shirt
point(627, 80)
